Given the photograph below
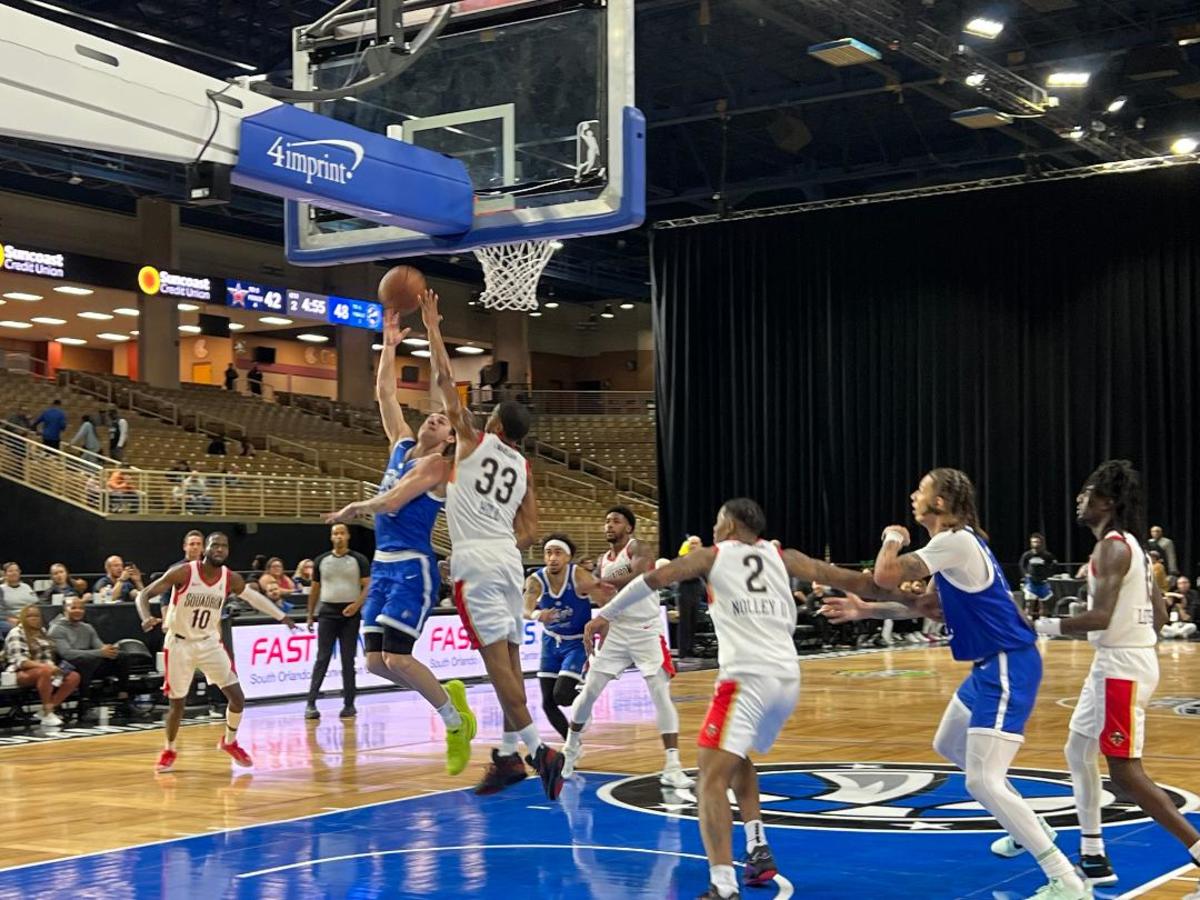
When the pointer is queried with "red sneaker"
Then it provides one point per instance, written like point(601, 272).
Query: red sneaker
point(240, 756)
point(166, 761)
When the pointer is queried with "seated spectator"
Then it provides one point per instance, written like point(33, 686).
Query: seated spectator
point(120, 581)
point(273, 592)
point(247, 449)
point(78, 643)
point(217, 447)
point(63, 587)
point(1181, 610)
point(15, 595)
point(91, 489)
point(275, 570)
point(303, 576)
point(122, 493)
point(176, 473)
point(30, 654)
point(20, 418)
point(192, 494)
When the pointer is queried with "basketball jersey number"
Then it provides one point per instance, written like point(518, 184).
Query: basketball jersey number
point(200, 618)
point(487, 485)
point(754, 582)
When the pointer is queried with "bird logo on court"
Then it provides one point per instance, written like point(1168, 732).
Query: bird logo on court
point(889, 797)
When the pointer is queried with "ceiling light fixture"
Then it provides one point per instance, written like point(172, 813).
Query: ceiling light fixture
point(313, 338)
point(550, 304)
point(74, 291)
point(127, 311)
point(468, 350)
point(186, 307)
point(97, 316)
point(112, 336)
point(1068, 79)
point(984, 28)
point(628, 305)
point(274, 320)
point(1118, 104)
point(73, 342)
point(9, 324)
point(975, 79)
point(556, 245)
point(48, 320)
point(535, 315)
point(21, 295)
point(424, 354)
point(608, 312)
point(190, 329)
point(416, 342)
point(236, 326)
point(1184, 145)
point(377, 347)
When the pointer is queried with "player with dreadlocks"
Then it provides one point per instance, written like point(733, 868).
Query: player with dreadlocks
point(1125, 614)
point(983, 726)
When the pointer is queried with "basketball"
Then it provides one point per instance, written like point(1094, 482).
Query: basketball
point(401, 288)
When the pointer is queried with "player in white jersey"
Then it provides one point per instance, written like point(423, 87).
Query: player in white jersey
point(492, 516)
point(758, 686)
point(193, 639)
point(1125, 613)
point(636, 640)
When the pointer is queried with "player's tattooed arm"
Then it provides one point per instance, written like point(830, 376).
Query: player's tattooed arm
point(852, 581)
point(533, 593)
point(892, 569)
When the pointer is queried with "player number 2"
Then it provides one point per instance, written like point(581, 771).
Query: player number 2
point(200, 618)
point(487, 484)
point(754, 582)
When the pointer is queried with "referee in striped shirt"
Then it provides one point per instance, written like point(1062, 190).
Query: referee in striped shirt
point(341, 577)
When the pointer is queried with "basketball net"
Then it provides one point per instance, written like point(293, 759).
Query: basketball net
point(511, 273)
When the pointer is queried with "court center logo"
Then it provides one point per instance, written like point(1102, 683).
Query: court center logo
point(888, 797)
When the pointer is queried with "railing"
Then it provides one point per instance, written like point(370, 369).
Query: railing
point(63, 474)
point(292, 450)
point(15, 361)
point(575, 403)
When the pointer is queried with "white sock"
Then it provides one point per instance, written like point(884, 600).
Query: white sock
point(1194, 850)
point(574, 739)
point(232, 721)
point(1091, 845)
point(170, 745)
point(508, 743)
point(450, 715)
point(673, 758)
point(1056, 865)
point(754, 835)
point(530, 738)
point(723, 880)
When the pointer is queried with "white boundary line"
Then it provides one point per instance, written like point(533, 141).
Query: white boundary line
point(785, 887)
point(1154, 882)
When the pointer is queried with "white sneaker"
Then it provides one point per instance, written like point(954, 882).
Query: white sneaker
point(571, 755)
point(50, 720)
point(675, 777)
point(1008, 848)
point(1057, 889)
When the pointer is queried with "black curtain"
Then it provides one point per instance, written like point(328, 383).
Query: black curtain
point(822, 362)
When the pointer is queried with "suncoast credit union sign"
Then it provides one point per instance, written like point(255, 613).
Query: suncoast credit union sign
point(14, 258)
point(153, 281)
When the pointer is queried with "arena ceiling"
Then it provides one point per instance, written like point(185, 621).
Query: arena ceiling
point(740, 115)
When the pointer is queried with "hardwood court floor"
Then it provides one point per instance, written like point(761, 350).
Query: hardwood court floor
point(80, 796)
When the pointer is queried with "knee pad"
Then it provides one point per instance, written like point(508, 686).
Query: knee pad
point(593, 687)
point(666, 717)
point(565, 691)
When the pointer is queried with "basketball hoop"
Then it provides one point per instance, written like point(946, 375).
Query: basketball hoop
point(511, 273)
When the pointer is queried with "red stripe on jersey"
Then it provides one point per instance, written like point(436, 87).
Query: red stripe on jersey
point(1120, 701)
point(713, 728)
point(668, 663)
point(460, 603)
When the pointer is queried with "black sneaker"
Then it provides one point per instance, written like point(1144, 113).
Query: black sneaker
point(348, 712)
point(311, 711)
point(503, 772)
point(713, 894)
point(760, 866)
point(1097, 869)
point(549, 765)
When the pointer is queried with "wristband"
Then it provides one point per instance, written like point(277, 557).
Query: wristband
point(1048, 627)
point(893, 537)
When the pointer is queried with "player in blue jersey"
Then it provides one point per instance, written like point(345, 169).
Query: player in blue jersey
point(557, 596)
point(404, 573)
point(984, 725)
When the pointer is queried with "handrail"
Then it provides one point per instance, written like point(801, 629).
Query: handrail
point(633, 403)
point(341, 465)
point(24, 362)
point(59, 473)
point(272, 441)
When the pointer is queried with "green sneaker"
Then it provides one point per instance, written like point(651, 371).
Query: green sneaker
point(458, 741)
point(1057, 889)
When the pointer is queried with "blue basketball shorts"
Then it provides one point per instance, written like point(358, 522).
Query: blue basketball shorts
point(562, 657)
point(1001, 692)
point(401, 595)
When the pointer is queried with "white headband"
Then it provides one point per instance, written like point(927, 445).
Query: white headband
point(554, 542)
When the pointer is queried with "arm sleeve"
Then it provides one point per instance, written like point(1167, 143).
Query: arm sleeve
point(261, 603)
point(316, 576)
point(364, 564)
point(947, 550)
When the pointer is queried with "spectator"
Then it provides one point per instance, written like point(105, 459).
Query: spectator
point(20, 418)
point(15, 594)
point(120, 582)
point(217, 446)
point(247, 449)
point(1036, 564)
point(273, 592)
point(118, 434)
point(87, 438)
point(92, 491)
point(1159, 572)
point(258, 565)
point(54, 422)
point(30, 654)
point(192, 494)
point(1179, 621)
point(1165, 547)
point(275, 570)
point(232, 471)
point(831, 635)
point(78, 643)
point(63, 587)
point(303, 577)
point(231, 377)
point(122, 494)
point(193, 548)
point(689, 595)
point(255, 380)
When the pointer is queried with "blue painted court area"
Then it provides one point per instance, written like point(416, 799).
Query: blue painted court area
point(888, 831)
